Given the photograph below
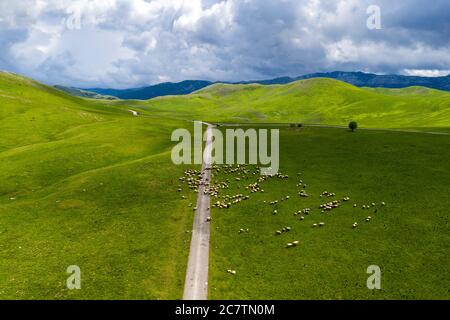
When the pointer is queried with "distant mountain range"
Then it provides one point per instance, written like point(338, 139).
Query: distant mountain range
point(158, 90)
point(85, 94)
point(359, 79)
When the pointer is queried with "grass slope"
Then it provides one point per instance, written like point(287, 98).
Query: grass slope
point(81, 185)
point(310, 101)
point(408, 238)
point(85, 183)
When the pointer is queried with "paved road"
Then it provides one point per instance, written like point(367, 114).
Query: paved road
point(196, 283)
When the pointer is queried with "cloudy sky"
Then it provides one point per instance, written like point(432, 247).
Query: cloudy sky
point(128, 43)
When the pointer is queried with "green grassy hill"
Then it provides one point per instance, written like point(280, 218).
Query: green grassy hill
point(81, 185)
point(315, 101)
point(85, 183)
point(408, 238)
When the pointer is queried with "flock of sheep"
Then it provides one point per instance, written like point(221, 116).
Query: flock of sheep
point(193, 180)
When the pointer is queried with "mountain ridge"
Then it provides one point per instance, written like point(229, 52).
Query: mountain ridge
point(359, 79)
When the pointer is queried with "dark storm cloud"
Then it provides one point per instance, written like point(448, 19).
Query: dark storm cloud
point(136, 42)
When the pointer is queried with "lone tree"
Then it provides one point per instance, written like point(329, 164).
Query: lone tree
point(352, 125)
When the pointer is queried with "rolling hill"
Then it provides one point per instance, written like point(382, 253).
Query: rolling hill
point(359, 79)
point(78, 188)
point(84, 93)
point(313, 101)
point(161, 89)
point(84, 182)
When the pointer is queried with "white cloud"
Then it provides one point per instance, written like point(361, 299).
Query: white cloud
point(342, 51)
point(123, 43)
point(427, 73)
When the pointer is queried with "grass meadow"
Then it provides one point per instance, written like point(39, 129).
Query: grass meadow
point(83, 182)
point(408, 238)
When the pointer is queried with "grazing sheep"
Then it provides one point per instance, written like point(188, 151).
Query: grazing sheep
point(289, 245)
point(295, 243)
point(383, 204)
point(315, 225)
point(321, 224)
point(355, 225)
point(303, 194)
